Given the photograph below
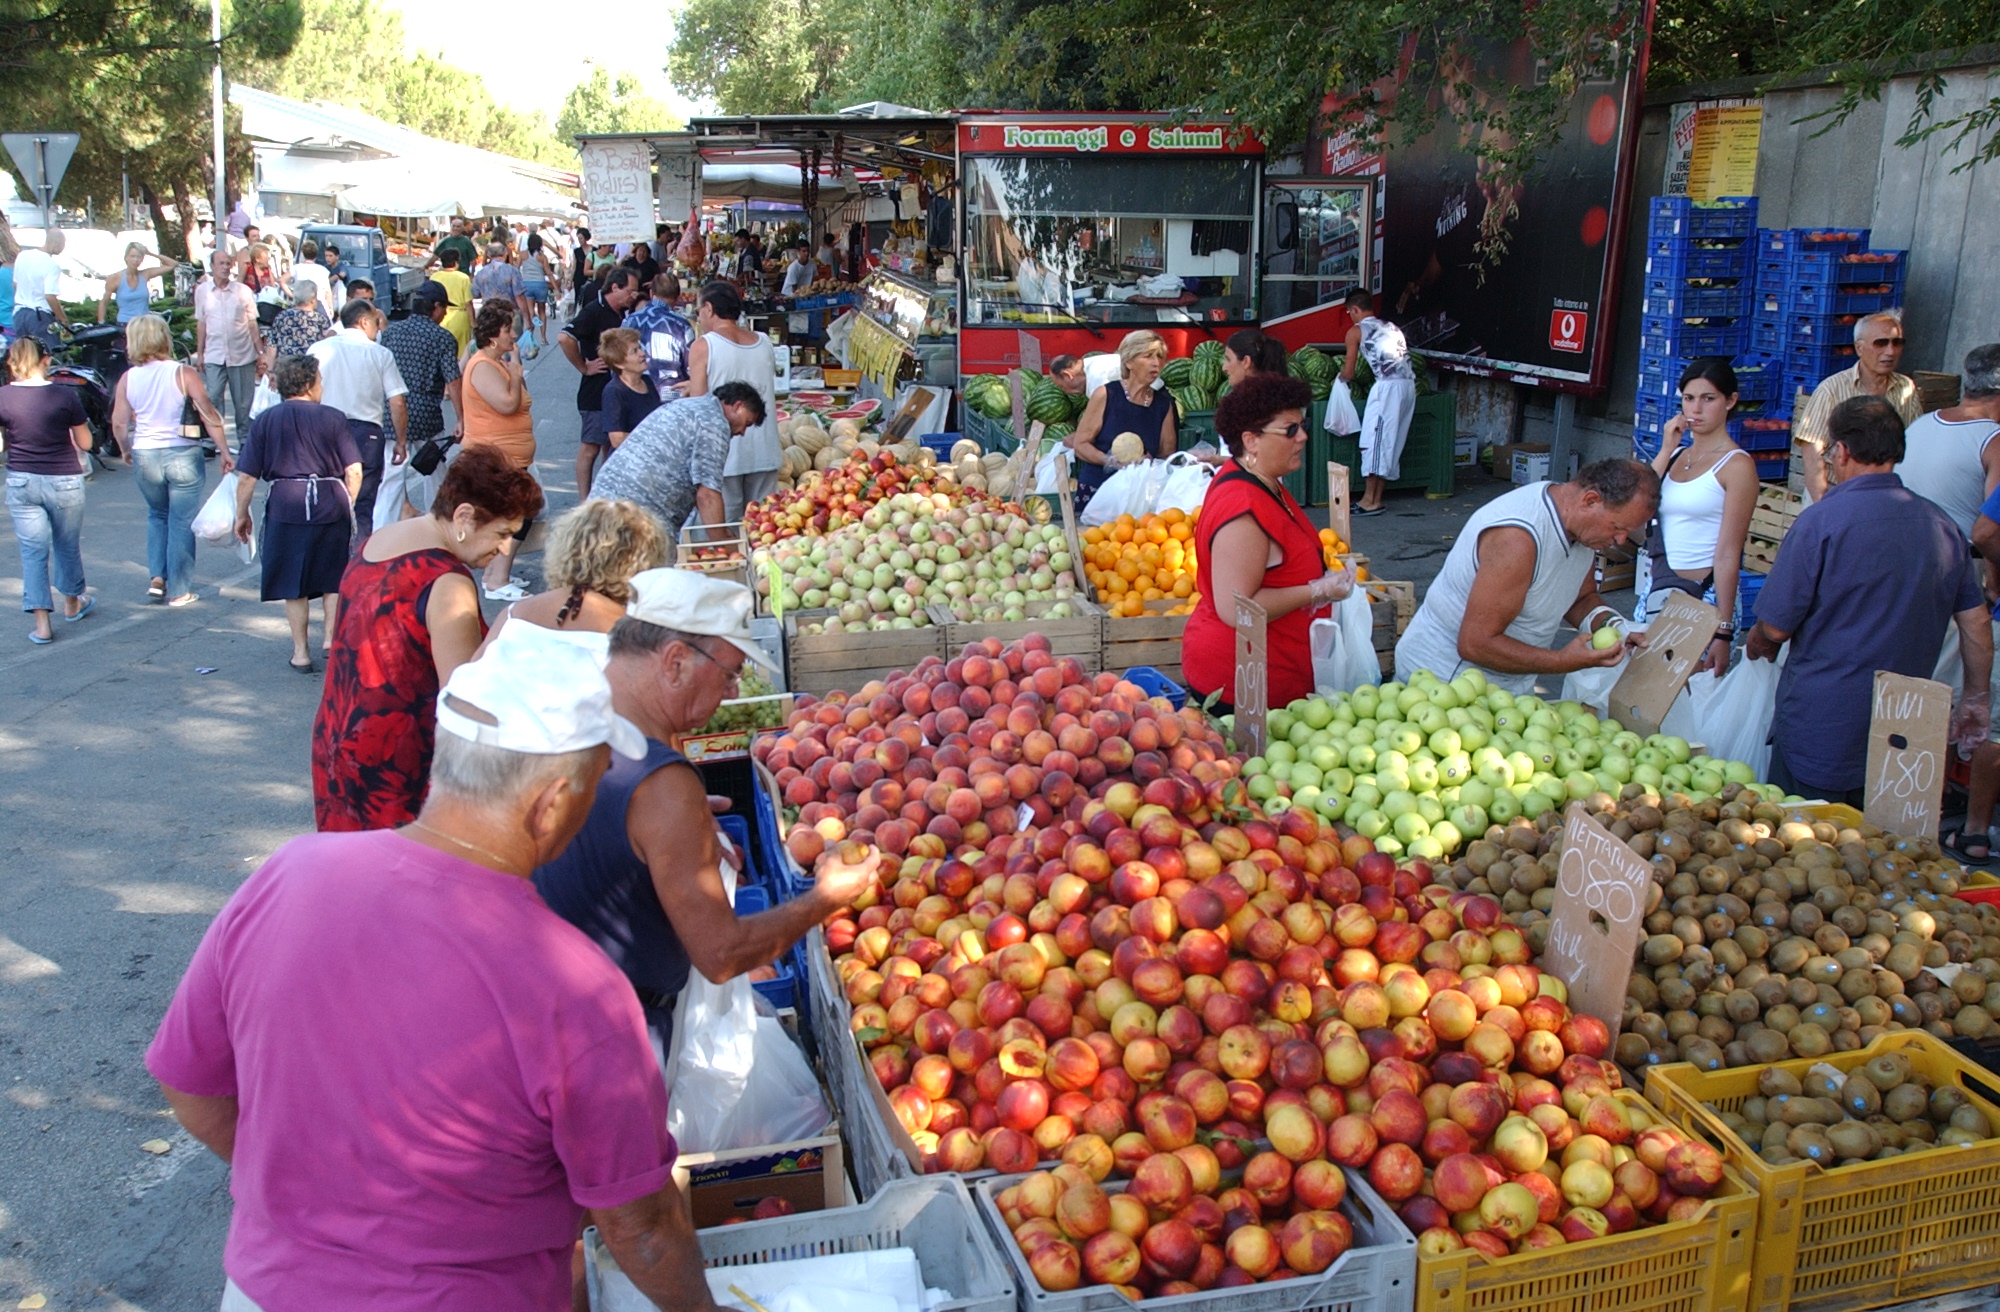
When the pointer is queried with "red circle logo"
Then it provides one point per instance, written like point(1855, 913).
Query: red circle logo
point(1595, 221)
point(1603, 121)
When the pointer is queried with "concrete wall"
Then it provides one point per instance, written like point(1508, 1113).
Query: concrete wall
point(1854, 174)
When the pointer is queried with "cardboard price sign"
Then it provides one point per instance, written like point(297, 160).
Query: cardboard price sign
point(1252, 696)
point(1337, 504)
point(1020, 408)
point(1654, 677)
point(1031, 351)
point(1907, 741)
point(1598, 917)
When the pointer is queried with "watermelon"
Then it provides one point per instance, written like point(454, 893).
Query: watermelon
point(1077, 405)
point(1049, 404)
point(1208, 373)
point(1177, 373)
point(1208, 350)
point(1057, 431)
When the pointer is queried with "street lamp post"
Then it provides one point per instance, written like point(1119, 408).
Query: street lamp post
point(215, 109)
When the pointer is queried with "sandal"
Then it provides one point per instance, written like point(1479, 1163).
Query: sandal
point(1976, 848)
point(157, 589)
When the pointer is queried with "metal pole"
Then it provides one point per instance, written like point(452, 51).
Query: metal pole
point(125, 179)
point(48, 192)
point(215, 109)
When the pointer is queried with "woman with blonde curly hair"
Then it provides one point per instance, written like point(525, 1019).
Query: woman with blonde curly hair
point(592, 554)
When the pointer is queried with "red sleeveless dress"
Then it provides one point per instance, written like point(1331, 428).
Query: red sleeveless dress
point(1208, 651)
point(377, 724)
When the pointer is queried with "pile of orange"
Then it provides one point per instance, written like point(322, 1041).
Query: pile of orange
point(1133, 561)
point(1332, 549)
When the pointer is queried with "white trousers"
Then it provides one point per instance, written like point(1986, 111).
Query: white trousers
point(1385, 426)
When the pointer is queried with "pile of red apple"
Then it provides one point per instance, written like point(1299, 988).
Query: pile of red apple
point(1174, 1229)
point(829, 499)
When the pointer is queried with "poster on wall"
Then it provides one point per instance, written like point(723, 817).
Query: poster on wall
point(1712, 149)
point(618, 188)
point(1513, 278)
point(680, 186)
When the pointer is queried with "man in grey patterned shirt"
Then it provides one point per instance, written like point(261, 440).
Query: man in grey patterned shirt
point(672, 462)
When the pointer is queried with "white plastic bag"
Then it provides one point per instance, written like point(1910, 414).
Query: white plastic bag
point(1052, 470)
point(1186, 483)
point(1132, 491)
point(722, 1041)
point(1341, 416)
point(264, 398)
point(1343, 647)
point(1736, 721)
point(1592, 687)
point(215, 524)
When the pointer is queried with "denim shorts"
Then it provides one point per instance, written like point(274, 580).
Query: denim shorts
point(536, 291)
point(594, 431)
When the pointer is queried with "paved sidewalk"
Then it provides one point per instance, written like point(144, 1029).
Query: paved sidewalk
point(138, 792)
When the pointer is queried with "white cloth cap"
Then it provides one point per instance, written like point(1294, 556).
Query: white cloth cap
point(695, 603)
point(546, 692)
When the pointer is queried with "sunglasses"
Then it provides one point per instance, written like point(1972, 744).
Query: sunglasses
point(1291, 430)
point(1881, 342)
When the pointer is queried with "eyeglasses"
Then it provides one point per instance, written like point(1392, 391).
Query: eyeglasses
point(734, 677)
point(1881, 342)
point(1292, 430)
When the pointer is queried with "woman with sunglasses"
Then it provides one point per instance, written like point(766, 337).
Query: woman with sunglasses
point(1254, 541)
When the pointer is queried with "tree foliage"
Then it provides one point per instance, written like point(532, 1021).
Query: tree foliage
point(351, 52)
point(603, 103)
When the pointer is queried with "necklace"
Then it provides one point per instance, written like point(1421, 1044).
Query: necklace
point(505, 864)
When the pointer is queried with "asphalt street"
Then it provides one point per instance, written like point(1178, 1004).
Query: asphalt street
point(149, 760)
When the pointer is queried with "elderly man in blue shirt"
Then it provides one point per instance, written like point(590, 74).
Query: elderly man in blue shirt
point(1870, 577)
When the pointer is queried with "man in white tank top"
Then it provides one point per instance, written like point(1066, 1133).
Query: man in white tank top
point(1952, 460)
point(1520, 570)
point(727, 352)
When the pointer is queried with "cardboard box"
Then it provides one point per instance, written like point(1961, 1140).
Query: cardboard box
point(1529, 462)
point(810, 1174)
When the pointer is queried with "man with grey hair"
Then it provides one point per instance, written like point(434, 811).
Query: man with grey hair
point(37, 304)
point(643, 877)
point(476, 1082)
point(1951, 458)
point(300, 325)
point(1878, 349)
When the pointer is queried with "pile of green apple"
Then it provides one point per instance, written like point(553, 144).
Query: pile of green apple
point(1423, 767)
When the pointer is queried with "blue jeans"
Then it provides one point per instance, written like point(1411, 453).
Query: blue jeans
point(48, 523)
point(171, 480)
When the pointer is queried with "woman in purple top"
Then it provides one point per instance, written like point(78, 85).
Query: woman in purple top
point(44, 426)
point(308, 454)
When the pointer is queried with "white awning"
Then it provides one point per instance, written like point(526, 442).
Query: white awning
point(765, 182)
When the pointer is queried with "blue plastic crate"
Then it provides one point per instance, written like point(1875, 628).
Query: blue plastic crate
point(777, 864)
point(1748, 585)
point(781, 992)
point(1756, 378)
point(1676, 257)
point(1728, 218)
point(1657, 408)
point(1680, 298)
point(1774, 469)
point(1811, 298)
point(1659, 377)
point(1815, 361)
point(1767, 335)
point(1821, 329)
point(1687, 338)
point(1762, 434)
point(1828, 269)
point(940, 444)
point(1156, 684)
point(1790, 241)
point(1645, 445)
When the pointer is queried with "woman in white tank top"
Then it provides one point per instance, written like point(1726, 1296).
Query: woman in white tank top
point(167, 466)
point(1706, 495)
point(727, 352)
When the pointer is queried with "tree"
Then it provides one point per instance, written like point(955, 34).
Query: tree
point(602, 103)
point(757, 56)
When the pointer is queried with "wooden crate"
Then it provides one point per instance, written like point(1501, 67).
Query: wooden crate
point(1399, 596)
point(1770, 520)
point(1080, 635)
point(1935, 391)
point(819, 663)
point(1151, 639)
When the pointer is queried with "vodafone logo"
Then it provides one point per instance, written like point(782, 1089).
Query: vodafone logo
point(1568, 330)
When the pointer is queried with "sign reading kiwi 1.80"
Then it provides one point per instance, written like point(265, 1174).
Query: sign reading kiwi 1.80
point(1597, 917)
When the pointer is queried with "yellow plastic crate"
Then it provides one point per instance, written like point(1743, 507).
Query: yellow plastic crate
point(1702, 1265)
point(1865, 1236)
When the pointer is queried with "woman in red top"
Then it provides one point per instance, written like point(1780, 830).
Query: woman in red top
point(409, 616)
point(1254, 541)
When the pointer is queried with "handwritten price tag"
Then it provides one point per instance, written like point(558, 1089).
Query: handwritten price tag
point(1252, 695)
point(1655, 674)
point(1597, 920)
point(1907, 741)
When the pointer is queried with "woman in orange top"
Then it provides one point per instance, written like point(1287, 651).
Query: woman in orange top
point(498, 414)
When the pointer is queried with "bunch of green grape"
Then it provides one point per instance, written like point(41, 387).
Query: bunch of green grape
point(746, 714)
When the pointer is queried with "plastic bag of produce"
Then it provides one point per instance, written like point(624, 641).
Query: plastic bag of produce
point(1052, 471)
point(215, 523)
point(1134, 490)
point(1186, 485)
point(1343, 647)
point(1734, 720)
point(1592, 687)
point(721, 1041)
point(1340, 414)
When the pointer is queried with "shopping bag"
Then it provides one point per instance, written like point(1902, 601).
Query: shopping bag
point(1343, 647)
point(721, 1041)
point(1129, 491)
point(215, 524)
point(1186, 483)
point(1736, 721)
point(1052, 469)
point(264, 398)
point(1341, 417)
point(1592, 687)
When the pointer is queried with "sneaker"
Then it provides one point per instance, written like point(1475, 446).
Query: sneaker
point(185, 599)
point(506, 592)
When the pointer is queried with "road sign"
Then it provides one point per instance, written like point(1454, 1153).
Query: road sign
point(43, 158)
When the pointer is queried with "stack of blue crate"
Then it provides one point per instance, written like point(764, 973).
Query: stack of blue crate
point(1698, 297)
point(1813, 284)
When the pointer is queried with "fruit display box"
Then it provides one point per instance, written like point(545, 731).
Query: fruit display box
point(1864, 1236)
point(1697, 1265)
point(733, 742)
point(818, 663)
point(1375, 1275)
point(1152, 639)
point(1080, 634)
point(934, 1217)
point(810, 1174)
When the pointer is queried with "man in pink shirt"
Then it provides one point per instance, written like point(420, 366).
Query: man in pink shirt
point(420, 1075)
point(228, 339)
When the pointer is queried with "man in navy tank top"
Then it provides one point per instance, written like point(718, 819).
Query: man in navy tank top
point(643, 878)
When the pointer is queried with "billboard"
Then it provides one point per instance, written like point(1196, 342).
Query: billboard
point(1520, 277)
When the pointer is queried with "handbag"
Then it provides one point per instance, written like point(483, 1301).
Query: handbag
point(191, 426)
point(429, 455)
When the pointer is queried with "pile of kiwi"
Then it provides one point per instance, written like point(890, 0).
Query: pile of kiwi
point(1769, 934)
point(1882, 1108)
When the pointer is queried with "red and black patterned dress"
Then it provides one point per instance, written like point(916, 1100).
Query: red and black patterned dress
point(372, 738)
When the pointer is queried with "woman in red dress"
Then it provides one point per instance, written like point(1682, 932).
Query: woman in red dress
point(1254, 541)
point(409, 616)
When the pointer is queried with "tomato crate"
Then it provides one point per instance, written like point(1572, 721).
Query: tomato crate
point(1847, 299)
point(1828, 269)
point(1765, 435)
point(1865, 1236)
point(1821, 329)
point(1816, 360)
point(1698, 1265)
point(1790, 241)
point(1375, 1275)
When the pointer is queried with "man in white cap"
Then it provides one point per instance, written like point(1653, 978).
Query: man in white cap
point(420, 1076)
point(642, 877)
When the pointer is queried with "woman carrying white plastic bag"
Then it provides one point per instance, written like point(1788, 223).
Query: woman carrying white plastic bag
point(1343, 648)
